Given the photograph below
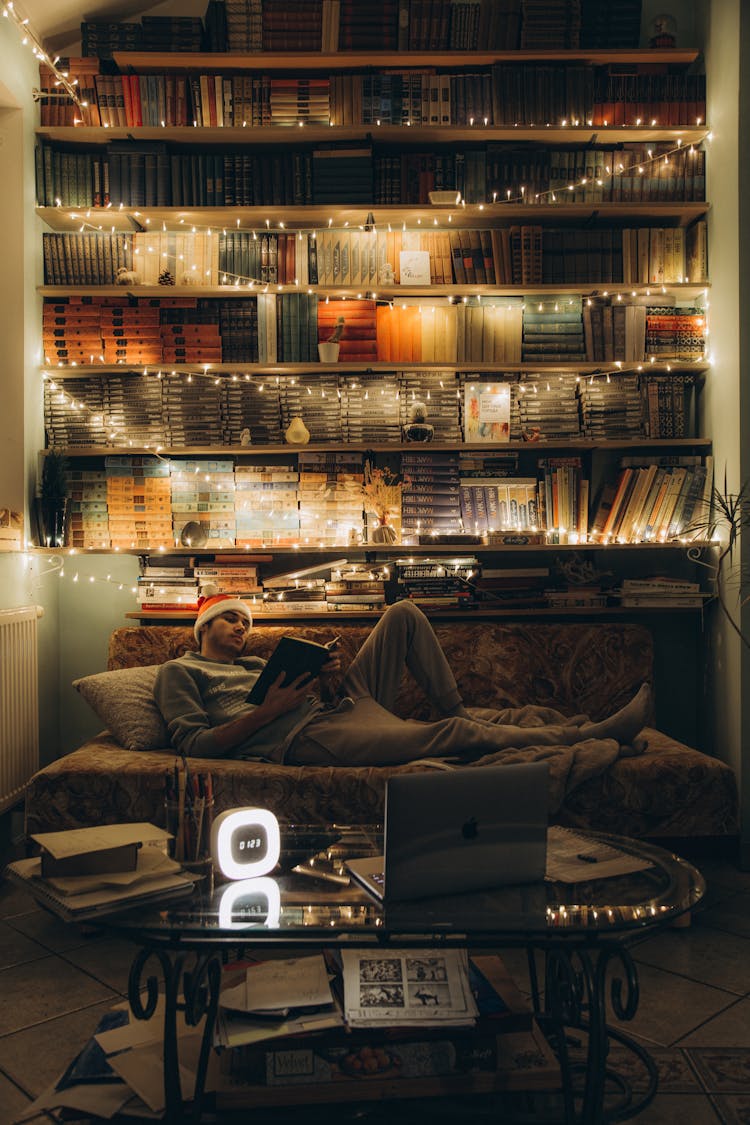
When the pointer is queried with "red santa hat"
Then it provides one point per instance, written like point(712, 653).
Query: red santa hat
point(216, 604)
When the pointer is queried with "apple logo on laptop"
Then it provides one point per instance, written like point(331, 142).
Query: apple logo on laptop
point(470, 828)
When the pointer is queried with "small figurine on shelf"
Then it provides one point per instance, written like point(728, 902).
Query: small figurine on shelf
point(664, 31)
point(127, 277)
point(387, 276)
point(189, 277)
point(166, 277)
point(418, 428)
point(245, 437)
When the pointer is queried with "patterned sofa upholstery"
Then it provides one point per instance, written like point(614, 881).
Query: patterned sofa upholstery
point(669, 791)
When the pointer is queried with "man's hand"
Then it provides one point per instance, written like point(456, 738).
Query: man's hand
point(282, 699)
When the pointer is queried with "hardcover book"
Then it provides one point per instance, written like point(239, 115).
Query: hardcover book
point(293, 656)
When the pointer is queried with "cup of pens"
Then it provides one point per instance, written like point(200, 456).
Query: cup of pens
point(188, 816)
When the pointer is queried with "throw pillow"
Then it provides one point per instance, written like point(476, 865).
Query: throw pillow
point(124, 701)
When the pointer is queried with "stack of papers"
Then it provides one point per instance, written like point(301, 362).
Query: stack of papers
point(408, 988)
point(146, 871)
point(273, 999)
point(574, 857)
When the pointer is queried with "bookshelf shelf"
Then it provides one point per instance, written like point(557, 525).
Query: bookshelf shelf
point(369, 551)
point(575, 444)
point(156, 61)
point(461, 614)
point(84, 370)
point(385, 134)
point(318, 216)
point(384, 292)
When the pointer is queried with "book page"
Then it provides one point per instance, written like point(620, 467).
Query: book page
point(419, 987)
point(573, 857)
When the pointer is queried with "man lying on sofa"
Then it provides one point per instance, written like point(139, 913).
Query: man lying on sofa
point(203, 698)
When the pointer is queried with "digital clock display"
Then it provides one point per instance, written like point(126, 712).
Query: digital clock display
point(249, 847)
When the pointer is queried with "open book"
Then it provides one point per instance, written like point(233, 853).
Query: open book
point(294, 656)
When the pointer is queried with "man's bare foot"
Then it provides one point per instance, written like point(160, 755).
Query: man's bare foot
point(626, 723)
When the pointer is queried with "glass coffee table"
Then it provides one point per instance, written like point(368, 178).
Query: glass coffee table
point(579, 933)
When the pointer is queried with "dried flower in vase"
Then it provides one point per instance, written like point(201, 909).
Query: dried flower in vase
point(382, 490)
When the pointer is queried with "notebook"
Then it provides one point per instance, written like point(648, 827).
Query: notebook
point(461, 830)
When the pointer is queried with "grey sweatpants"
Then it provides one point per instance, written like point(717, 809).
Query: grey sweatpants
point(366, 732)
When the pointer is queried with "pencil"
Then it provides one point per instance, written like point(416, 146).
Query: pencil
point(180, 842)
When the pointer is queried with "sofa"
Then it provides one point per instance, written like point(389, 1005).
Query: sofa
point(668, 791)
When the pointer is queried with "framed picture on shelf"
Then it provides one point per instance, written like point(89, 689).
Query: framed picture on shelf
point(487, 412)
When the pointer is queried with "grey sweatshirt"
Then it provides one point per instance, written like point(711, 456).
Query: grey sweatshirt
point(195, 694)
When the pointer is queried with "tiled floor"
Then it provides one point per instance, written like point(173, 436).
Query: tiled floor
point(694, 1015)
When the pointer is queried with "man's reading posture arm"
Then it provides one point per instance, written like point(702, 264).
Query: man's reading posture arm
point(203, 697)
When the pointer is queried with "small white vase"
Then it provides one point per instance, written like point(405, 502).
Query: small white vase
point(328, 353)
point(297, 432)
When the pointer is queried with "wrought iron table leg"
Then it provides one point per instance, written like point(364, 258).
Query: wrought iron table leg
point(576, 998)
point(199, 986)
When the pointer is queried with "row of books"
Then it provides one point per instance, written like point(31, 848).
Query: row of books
point(151, 174)
point(149, 501)
point(329, 25)
point(655, 500)
point(503, 95)
point(532, 254)
point(286, 328)
point(517, 254)
point(173, 411)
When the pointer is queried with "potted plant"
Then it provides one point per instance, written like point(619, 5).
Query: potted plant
point(328, 352)
point(53, 498)
point(723, 519)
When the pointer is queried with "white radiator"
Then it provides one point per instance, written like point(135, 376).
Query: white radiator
point(19, 701)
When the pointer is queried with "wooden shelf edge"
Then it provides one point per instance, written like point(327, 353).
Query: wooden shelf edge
point(342, 60)
point(81, 371)
point(369, 550)
point(313, 215)
point(462, 614)
point(655, 445)
point(231, 292)
point(387, 134)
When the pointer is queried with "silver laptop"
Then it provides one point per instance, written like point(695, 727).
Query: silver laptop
point(455, 831)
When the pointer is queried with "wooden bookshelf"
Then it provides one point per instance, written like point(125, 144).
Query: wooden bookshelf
point(600, 456)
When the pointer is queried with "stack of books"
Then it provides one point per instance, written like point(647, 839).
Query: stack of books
point(138, 501)
point(88, 521)
point(330, 494)
point(431, 500)
point(437, 582)
point(266, 503)
point(203, 501)
point(661, 591)
point(252, 410)
point(548, 406)
point(354, 589)
point(89, 872)
point(611, 407)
